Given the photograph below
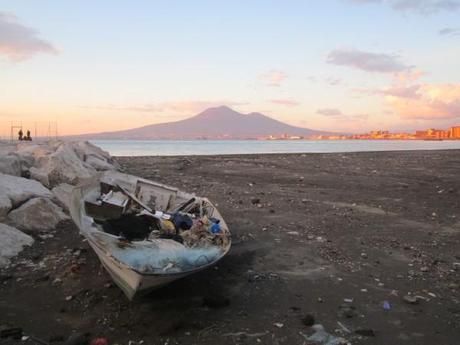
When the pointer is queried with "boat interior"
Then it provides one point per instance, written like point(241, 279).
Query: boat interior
point(149, 226)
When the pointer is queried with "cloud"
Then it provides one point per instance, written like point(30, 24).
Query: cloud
point(416, 6)
point(274, 78)
point(402, 91)
point(19, 42)
point(449, 32)
point(366, 61)
point(338, 115)
point(285, 102)
point(172, 106)
point(329, 112)
point(426, 101)
point(329, 80)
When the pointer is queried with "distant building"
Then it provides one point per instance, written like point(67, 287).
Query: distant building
point(454, 132)
point(420, 134)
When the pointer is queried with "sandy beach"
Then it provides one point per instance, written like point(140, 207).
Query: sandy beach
point(367, 244)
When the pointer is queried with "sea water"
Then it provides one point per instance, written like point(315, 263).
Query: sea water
point(226, 147)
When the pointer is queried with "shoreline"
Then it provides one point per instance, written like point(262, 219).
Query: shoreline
point(291, 153)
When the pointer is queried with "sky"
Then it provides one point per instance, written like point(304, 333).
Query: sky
point(336, 65)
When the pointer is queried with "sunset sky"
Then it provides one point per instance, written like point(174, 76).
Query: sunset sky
point(342, 65)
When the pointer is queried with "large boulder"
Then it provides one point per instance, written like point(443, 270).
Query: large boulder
point(10, 165)
point(37, 214)
point(12, 242)
point(95, 156)
point(64, 166)
point(63, 195)
point(19, 189)
point(39, 175)
point(5, 205)
point(99, 164)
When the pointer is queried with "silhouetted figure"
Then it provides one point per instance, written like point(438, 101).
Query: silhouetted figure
point(28, 137)
point(20, 135)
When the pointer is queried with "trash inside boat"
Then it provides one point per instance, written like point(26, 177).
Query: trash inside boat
point(147, 234)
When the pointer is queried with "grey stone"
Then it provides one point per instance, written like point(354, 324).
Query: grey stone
point(411, 299)
point(19, 189)
point(5, 205)
point(63, 195)
point(98, 163)
point(12, 242)
point(10, 165)
point(64, 166)
point(37, 214)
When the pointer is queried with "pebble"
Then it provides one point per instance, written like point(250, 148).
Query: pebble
point(411, 299)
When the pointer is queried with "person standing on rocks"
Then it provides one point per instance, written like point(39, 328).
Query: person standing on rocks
point(20, 135)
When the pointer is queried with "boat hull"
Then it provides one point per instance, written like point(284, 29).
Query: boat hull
point(131, 282)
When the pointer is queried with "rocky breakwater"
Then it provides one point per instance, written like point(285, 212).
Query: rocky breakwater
point(36, 181)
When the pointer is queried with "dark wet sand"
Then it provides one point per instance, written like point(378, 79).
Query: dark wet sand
point(369, 227)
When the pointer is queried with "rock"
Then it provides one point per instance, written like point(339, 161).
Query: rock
point(63, 195)
point(39, 175)
point(12, 242)
point(85, 148)
point(37, 214)
point(19, 189)
point(10, 165)
point(347, 311)
point(365, 332)
point(308, 320)
point(64, 166)
point(99, 164)
point(5, 206)
point(87, 151)
point(411, 299)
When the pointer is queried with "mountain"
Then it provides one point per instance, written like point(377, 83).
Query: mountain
point(213, 123)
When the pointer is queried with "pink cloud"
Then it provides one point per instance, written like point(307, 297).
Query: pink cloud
point(285, 102)
point(337, 114)
point(19, 42)
point(426, 101)
point(274, 78)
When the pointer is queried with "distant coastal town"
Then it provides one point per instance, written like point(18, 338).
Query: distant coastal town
point(452, 133)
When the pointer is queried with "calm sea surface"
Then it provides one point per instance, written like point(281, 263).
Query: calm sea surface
point(224, 147)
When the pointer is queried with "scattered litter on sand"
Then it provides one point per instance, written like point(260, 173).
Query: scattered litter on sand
point(322, 337)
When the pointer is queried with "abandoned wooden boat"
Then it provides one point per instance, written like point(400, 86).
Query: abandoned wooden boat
point(147, 234)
